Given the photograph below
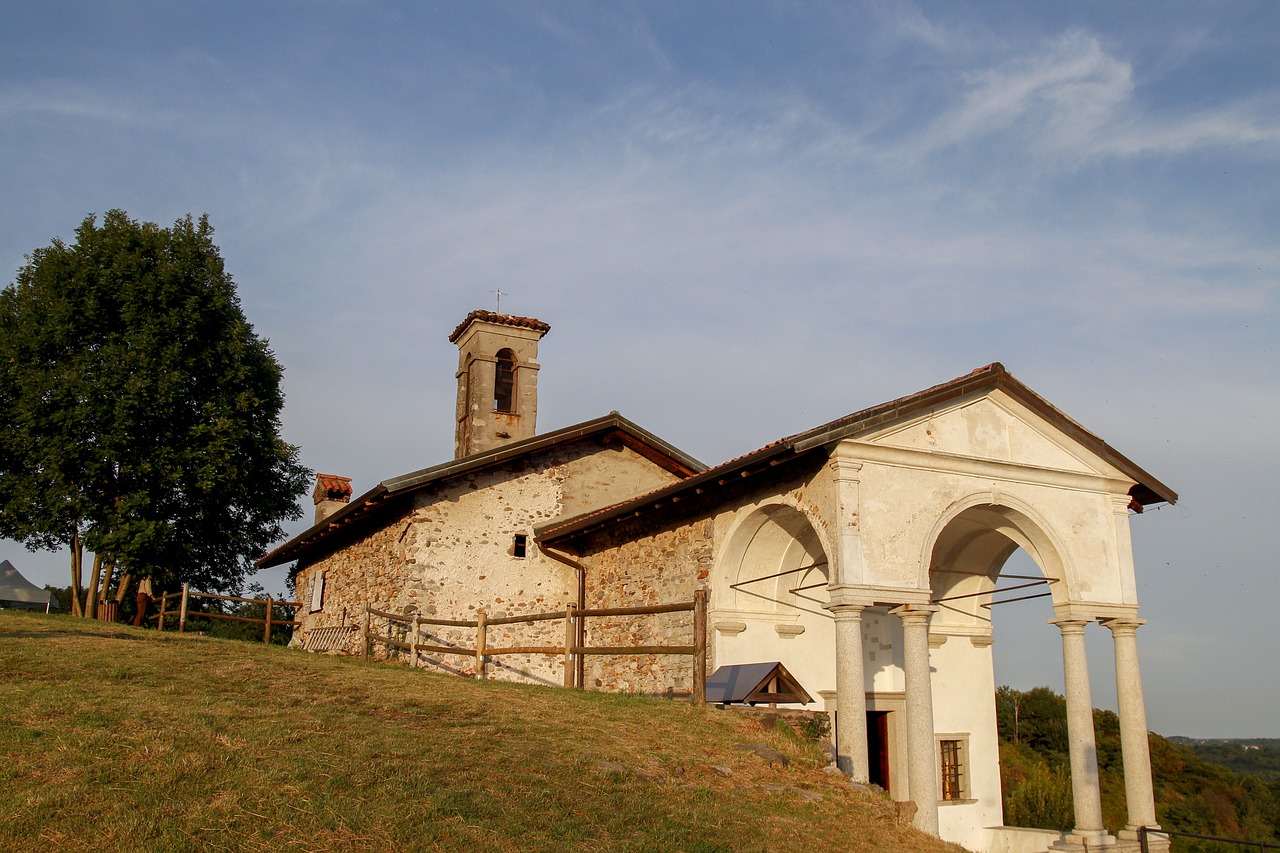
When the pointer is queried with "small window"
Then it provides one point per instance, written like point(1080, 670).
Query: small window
point(953, 768)
point(317, 592)
point(520, 548)
point(504, 382)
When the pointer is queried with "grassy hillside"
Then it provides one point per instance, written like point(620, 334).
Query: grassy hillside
point(118, 739)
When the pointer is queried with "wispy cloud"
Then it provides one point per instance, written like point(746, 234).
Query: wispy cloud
point(64, 100)
point(1073, 101)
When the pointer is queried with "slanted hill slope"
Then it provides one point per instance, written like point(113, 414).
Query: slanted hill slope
point(118, 739)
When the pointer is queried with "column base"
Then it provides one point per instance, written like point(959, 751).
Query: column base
point(1077, 842)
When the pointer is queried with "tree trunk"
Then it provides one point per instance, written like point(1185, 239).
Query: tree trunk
point(91, 607)
point(77, 564)
point(125, 580)
point(109, 571)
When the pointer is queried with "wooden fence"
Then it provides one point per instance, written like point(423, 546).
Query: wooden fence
point(572, 649)
point(183, 610)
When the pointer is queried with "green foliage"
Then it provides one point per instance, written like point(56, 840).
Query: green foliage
point(1043, 800)
point(1036, 717)
point(1192, 795)
point(142, 412)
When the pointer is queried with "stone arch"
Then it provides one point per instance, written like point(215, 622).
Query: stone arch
point(766, 540)
point(504, 381)
point(968, 547)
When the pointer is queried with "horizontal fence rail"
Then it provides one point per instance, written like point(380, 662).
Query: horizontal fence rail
point(184, 610)
point(1146, 835)
point(410, 631)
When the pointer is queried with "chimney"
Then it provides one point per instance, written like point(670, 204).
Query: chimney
point(331, 494)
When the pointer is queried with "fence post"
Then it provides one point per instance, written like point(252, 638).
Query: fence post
point(482, 636)
point(266, 633)
point(417, 638)
point(570, 634)
point(700, 647)
point(364, 633)
point(164, 599)
point(182, 615)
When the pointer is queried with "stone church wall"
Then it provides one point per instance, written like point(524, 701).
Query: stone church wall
point(454, 553)
point(370, 571)
point(661, 568)
point(643, 563)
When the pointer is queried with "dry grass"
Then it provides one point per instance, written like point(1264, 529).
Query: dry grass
point(119, 739)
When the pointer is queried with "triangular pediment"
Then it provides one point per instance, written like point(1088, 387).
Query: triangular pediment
point(993, 426)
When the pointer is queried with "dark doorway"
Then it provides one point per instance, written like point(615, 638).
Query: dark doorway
point(878, 747)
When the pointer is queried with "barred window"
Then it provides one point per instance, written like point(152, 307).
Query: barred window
point(954, 767)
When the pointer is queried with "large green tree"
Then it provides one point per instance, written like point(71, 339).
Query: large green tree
point(141, 413)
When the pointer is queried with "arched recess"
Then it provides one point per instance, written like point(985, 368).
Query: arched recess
point(970, 547)
point(771, 550)
point(770, 588)
point(504, 381)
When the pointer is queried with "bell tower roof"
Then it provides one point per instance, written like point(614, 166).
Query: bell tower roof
point(497, 319)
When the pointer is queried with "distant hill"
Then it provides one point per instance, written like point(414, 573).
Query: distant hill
point(1247, 756)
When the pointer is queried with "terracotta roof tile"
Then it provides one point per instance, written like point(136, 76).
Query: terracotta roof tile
point(331, 487)
point(501, 320)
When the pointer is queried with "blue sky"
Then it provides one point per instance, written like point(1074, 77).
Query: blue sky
point(741, 220)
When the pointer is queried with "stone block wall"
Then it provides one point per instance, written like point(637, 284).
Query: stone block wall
point(664, 567)
point(451, 552)
point(368, 571)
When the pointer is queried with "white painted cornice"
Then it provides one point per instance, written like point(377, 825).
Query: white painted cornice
point(988, 469)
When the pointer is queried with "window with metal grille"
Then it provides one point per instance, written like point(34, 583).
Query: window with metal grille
point(504, 382)
point(952, 766)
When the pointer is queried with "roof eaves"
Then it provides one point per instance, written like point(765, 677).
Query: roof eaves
point(396, 486)
point(1148, 490)
point(348, 513)
point(477, 461)
point(559, 529)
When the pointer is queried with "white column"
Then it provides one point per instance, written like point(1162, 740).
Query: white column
point(851, 696)
point(922, 762)
point(1089, 832)
point(1139, 795)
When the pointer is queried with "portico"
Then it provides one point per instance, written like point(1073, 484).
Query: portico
point(866, 555)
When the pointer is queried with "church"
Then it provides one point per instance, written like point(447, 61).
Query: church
point(863, 554)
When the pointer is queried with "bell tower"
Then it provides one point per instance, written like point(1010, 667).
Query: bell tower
point(497, 380)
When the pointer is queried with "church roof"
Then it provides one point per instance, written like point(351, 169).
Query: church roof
point(382, 495)
point(1148, 490)
point(500, 320)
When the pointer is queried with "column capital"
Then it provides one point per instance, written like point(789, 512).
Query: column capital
point(1068, 625)
point(846, 612)
point(1124, 626)
point(915, 614)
